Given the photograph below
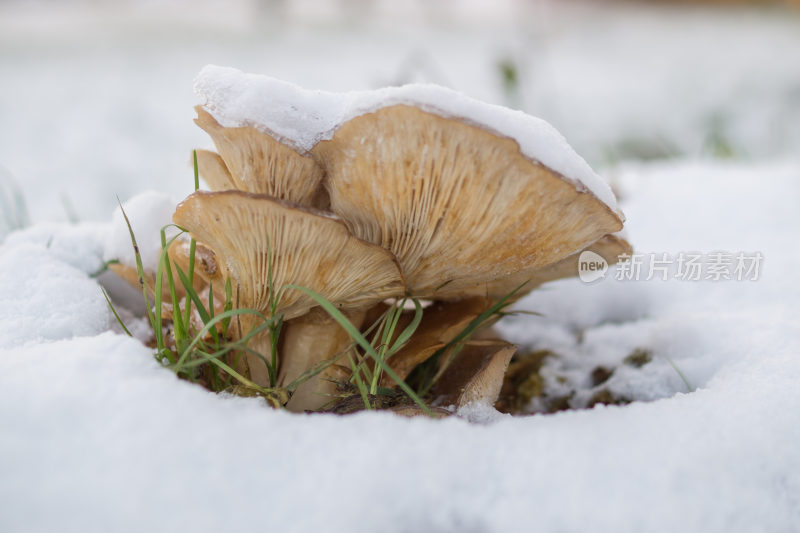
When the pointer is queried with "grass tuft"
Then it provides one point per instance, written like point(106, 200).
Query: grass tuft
point(203, 346)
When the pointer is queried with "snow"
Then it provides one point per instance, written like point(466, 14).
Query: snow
point(302, 118)
point(44, 298)
point(77, 245)
point(95, 435)
point(99, 435)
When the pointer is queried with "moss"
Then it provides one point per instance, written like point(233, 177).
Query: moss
point(522, 382)
point(606, 397)
point(638, 358)
point(600, 375)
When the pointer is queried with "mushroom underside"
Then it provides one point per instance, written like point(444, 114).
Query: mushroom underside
point(421, 206)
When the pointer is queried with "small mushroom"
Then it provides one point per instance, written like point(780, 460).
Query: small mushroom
point(458, 205)
point(475, 374)
point(212, 169)
point(442, 321)
point(255, 236)
point(258, 163)
point(206, 271)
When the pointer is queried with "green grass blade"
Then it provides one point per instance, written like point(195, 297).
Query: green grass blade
point(211, 298)
point(180, 330)
point(140, 273)
point(683, 377)
point(361, 386)
point(211, 323)
point(467, 332)
point(228, 305)
point(198, 303)
point(406, 334)
point(317, 368)
point(119, 320)
point(192, 243)
point(358, 338)
point(192, 251)
point(196, 171)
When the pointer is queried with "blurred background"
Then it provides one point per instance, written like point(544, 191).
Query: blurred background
point(96, 96)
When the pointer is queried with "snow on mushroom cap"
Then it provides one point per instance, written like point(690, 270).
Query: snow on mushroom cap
point(302, 118)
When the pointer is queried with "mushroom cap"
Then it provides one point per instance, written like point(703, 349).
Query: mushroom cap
point(206, 271)
point(213, 171)
point(248, 232)
point(609, 247)
point(457, 204)
point(258, 163)
point(302, 118)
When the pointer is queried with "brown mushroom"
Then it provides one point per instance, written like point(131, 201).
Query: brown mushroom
point(442, 321)
point(475, 374)
point(458, 205)
point(609, 247)
point(206, 270)
point(252, 234)
point(214, 172)
point(258, 163)
point(469, 216)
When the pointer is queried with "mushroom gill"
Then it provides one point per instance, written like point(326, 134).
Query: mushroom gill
point(256, 237)
point(258, 163)
point(458, 205)
point(423, 204)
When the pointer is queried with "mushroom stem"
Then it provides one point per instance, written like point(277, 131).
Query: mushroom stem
point(306, 342)
point(259, 349)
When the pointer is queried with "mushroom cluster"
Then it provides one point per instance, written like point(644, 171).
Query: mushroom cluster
point(398, 199)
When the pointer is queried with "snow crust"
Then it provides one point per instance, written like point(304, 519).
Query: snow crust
point(302, 118)
point(78, 245)
point(95, 434)
point(45, 290)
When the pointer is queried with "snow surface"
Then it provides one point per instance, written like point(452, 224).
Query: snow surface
point(618, 79)
point(47, 294)
point(302, 118)
point(97, 436)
